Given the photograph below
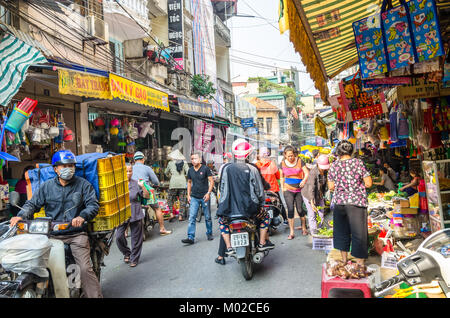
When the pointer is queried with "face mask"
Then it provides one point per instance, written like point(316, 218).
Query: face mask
point(66, 173)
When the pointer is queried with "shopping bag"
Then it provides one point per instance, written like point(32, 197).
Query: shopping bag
point(397, 36)
point(425, 29)
point(370, 46)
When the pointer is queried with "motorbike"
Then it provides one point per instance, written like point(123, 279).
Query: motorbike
point(273, 206)
point(430, 262)
point(244, 235)
point(28, 284)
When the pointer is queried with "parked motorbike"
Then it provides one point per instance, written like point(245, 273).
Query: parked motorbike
point(430, 262)
point(29, 285)
point(273, 206)
point(244, 240)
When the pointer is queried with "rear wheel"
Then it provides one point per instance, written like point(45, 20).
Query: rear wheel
point(247, 265)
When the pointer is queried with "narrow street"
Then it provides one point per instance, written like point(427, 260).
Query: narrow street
point(168, 269)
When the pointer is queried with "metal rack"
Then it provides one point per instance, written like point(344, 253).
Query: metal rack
point(438, 199)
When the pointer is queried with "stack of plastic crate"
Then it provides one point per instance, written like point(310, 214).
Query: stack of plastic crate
point(114, 199)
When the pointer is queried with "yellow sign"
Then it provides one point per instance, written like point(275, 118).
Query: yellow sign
point(83, 84)
point(137, 93)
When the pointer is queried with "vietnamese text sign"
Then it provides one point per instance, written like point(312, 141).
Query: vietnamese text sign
point(421, 88)
point(137, 93)
point(83, 84)
point(247, 122)
point(192, 107)
point(176, 36)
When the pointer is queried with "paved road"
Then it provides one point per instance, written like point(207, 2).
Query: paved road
point(169, 269)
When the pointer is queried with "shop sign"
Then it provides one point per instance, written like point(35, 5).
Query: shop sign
point(247, 122)
point(192, 107)
point(176, 31)
point(137, 93)
point(83, 84)
point(421, 88)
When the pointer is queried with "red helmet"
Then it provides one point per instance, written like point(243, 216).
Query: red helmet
point(241, 149)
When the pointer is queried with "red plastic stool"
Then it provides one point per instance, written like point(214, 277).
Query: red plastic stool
point(329, 283)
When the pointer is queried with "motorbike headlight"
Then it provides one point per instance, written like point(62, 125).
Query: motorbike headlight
point(39, 227)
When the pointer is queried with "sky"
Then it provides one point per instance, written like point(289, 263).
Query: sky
point(258, 40)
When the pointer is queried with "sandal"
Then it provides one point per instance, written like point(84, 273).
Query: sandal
point(297, 228)
point(133, 264)
point(291, 237)
point(126, 259)
point(165, 233)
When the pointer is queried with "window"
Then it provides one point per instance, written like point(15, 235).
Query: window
point(269, 125)
point(260, 123)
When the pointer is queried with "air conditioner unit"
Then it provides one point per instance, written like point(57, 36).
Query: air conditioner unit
point(98, 29)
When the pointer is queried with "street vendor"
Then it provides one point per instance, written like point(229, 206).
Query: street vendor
point(386, 184)
point(411, 187)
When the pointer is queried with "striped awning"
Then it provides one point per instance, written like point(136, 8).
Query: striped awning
point(15, 58)
point(326, 31)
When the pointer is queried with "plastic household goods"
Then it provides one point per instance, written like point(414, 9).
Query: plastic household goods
point(16, 120)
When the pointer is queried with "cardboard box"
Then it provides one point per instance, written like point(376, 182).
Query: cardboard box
point(400, 210)
point(404, 203)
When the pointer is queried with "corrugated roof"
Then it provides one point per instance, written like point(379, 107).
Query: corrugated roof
point(261, 104)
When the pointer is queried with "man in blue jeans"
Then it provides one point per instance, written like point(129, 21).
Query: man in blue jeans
point(199, 188)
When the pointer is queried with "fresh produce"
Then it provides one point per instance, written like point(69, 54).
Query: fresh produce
point(325, 232)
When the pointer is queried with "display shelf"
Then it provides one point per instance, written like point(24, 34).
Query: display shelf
point(437, 176)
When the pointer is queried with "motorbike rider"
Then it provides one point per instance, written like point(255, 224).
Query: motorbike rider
point(242, 193)
point(56, 196)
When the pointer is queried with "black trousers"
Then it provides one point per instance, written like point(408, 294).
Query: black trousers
point(350, 227)
point(294, 199)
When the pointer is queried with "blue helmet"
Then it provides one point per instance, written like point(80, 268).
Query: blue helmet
point(63, 157)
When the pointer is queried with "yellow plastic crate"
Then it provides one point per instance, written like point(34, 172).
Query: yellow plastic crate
point(108, 179)
point(113, 191)
point(109, 222)
point(104, 165)
point(111, 207)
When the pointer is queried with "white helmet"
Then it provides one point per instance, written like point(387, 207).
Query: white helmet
point(241, 148)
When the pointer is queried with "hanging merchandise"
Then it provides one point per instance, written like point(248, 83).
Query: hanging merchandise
point(60, 138)
point(320, 129)
point(403, 128)
point(406, 34)
point(146, 129)
point(68, 135)
point(99, 122)
point(361, 102)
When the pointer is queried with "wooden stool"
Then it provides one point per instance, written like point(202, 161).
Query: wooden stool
point(330, 283)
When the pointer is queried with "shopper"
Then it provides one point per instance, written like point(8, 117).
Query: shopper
point(349, 178)
point(199, 188)
point(294, 175)
point(21, 188)
point(146, 173)
point(177, 170)
point(137, 191)
point(314, 192)
point(270, 173)
point(386, 184)
point(411, 187)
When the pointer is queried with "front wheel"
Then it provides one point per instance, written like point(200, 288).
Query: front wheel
point(28, 292)
point(247, 265)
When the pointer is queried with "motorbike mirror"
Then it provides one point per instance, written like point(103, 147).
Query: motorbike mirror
point(14, 198)
point(76, 199)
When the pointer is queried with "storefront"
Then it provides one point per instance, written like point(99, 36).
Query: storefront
point(393, 105)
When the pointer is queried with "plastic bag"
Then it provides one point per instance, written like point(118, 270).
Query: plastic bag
point(26, 253)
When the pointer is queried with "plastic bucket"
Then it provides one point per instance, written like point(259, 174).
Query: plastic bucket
point(16, 120)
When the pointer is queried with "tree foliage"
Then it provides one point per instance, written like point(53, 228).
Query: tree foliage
point(265, 86)
point(202, 87)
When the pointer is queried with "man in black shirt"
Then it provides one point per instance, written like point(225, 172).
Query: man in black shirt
point(200, 185)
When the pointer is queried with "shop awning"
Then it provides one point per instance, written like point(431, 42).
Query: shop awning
point(322, 34)
point(16, 57)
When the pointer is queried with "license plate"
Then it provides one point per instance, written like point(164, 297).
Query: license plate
point(239, 239)
point(270, 214)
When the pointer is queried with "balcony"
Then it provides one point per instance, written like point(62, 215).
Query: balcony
point(121, 25)
point(222, 33)
point(157, 8)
